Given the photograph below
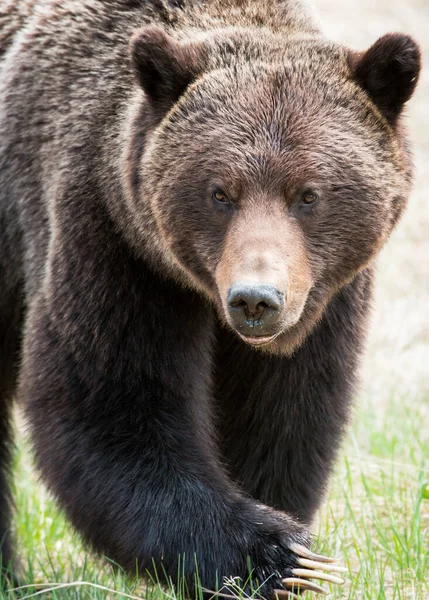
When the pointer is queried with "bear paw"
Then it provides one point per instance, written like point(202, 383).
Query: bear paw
point(316, 566)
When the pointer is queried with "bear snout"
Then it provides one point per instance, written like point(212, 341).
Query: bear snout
point(255, 310)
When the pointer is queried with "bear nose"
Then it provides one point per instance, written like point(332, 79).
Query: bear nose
point(255, 309)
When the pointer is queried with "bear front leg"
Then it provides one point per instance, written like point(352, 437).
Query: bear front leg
point(116, 384)
point(282, 419)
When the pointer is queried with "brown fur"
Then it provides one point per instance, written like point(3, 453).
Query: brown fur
point(281, 158)
point(158, 429)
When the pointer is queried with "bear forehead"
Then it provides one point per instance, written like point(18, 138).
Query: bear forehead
point(281, 103)
point(252, 117)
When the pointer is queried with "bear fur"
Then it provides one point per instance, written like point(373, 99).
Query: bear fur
point(164, 431)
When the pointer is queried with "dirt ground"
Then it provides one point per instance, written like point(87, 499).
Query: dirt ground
point(398, 353)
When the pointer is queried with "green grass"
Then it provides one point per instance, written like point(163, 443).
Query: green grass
point(375, 518)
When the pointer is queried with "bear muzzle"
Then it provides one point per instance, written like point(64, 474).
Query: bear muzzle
point(256, 311)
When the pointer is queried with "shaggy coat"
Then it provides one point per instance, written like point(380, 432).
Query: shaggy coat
point(153, 155)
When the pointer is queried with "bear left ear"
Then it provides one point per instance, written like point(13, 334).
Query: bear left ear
point(388, 71)
point(164, 66)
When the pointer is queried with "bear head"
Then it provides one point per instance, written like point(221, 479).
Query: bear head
point(274, 168)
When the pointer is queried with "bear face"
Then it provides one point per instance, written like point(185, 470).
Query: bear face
point(262, 174)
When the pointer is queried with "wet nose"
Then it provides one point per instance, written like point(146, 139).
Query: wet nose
point(255, 309)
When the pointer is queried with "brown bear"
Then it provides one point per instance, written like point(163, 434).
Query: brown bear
point(192, 195)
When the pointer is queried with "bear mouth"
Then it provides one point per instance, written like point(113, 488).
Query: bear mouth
point(258, 340)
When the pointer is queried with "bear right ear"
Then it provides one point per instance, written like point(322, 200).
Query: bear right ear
point(389, 72)
point(164, 66)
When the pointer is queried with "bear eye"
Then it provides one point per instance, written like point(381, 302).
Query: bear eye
point(220, 196)
point(309, 197)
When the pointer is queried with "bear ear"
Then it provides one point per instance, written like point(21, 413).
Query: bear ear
point(164, 67)
point(388, 71)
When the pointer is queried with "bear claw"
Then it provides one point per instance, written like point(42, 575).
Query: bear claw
point(298, 584)
point(306, 553)
point(310, 573)
point(315, 565)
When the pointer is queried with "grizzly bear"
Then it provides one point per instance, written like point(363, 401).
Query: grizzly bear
point(192, 195)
